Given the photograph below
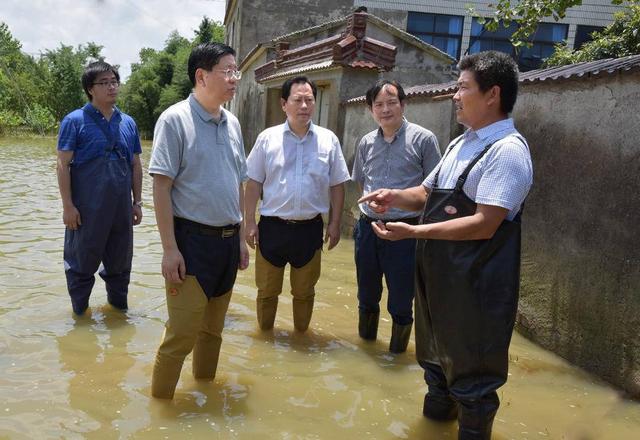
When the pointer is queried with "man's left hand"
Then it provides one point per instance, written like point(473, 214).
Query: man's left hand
point(244, 256)
point(332, 235)
point(393, 231)
point(137, 215)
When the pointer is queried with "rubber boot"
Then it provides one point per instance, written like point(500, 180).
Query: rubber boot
point(475, 418)
point(166, 373)
point(302, 311)
point(399, 337)
point(439, 406)
point(266, 311)
point(118, 302)
point(368, 325)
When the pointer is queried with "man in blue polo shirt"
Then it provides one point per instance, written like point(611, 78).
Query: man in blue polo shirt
point(98, 169)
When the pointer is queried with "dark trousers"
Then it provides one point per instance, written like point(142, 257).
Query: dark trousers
point(393, 259)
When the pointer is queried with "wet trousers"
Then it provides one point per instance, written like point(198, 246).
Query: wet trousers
point(269, 279)
point(395, 260)
point(195, 324)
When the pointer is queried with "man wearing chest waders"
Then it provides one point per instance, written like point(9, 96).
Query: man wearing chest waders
point(98, 170)
point(468, 252)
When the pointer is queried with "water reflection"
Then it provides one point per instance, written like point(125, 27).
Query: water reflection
point(90, 377)
point(94, 353)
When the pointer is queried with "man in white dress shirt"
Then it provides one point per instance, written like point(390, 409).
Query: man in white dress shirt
point(299, 170)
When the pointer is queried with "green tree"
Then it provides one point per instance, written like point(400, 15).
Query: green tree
point(208, 31)
point(65, 68)
point(160, 78)
point(22, 81)
point(527, 14)
point(619, 39)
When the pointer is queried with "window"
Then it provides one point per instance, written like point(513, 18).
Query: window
point(529, 58)
point(441, 31)
point(583, 35)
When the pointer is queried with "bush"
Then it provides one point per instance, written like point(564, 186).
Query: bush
point(9, 121)
point(40, 119)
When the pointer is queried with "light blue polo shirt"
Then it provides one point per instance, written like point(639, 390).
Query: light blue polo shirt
point(206, 160)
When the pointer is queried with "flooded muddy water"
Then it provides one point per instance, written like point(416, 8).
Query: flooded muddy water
point(75, 378)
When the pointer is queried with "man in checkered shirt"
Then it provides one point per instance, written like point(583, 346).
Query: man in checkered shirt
point(468, 252)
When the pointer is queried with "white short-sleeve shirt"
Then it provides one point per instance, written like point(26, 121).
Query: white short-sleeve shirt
point(296, 173)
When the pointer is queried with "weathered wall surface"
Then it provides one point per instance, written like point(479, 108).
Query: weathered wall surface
point(581, 252)
point(285, 16)
point(413, 66)
point(250, 104)
point(580, 293)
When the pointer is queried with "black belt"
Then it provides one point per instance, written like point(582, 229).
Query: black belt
point(201, 229)
point(409, 220)
point(292, 222)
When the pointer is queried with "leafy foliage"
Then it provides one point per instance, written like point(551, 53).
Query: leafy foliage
point(527, 14)
point(160, 78)
point(38, 91)
point(620, 39)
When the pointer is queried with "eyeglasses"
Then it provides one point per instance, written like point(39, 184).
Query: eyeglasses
point(230, 73)
point(114, 84)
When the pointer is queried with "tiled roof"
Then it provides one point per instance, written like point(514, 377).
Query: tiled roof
point(300, 69)
point(579, 70)
point(589, 68)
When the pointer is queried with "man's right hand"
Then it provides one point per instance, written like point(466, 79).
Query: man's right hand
point(71, 217)
point(173, 267)
point(379, 200)
point(251, 234)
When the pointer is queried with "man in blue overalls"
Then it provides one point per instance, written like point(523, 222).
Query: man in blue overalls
point(98, 170)
point(468, 251)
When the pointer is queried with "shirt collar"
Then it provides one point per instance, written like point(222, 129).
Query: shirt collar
point(205, 115)
point(287, 128)
point(485, 133)
point(400, 130)
point(117, 114)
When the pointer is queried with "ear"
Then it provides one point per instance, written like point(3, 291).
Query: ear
point(493, 95)
point(282, 103)
point(200, 77)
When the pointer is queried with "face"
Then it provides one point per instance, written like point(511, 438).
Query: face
point(474, 107)
point(387, 110)
point(300, 105)
point(214, 83)
point(105, 88)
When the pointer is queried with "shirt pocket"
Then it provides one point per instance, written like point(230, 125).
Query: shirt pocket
point(318, 171)
point(319, 166)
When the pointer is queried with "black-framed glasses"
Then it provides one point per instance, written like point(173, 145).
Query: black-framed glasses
point(108, 84)
point(230, 73)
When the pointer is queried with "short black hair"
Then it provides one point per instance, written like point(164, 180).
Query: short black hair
point(286, 87)
point(92, 71)
point(373, 92)
point(494, 68)
point(205, 56)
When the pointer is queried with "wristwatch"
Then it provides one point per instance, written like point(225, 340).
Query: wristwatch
point(138, 203)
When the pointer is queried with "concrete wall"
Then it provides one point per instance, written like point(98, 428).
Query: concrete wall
point(580, 294)
point(413, 66)
point(581, 267)
point(250, 105)
point(263, 20)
